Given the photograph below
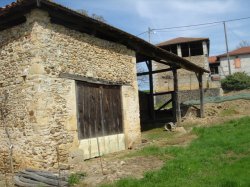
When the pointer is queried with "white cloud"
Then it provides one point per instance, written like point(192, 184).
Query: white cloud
point(135, 16)
point(191, 10)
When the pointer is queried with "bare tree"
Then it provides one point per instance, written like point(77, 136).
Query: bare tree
point(85, 13)
point(243, 43)
point(142, 80)
point(99, 18)
point(94, 16)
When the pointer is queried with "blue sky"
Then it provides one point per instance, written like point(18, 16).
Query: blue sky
point(135, 16)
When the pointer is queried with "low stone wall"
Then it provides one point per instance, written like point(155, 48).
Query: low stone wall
point(186, 95)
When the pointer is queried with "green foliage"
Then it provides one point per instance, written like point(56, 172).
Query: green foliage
point(237, 81)
point(229, 112)
point(75, 178)
point(220, 156)
point(157, 133)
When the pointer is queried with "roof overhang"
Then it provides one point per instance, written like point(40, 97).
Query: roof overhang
point(14, 14)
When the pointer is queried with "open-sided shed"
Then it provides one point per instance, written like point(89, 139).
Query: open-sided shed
point(68, 85)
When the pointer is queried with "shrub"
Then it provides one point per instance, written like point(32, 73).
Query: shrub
point(75, 178)
point(237, 81)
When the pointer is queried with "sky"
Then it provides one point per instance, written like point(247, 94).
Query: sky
point(135, 16)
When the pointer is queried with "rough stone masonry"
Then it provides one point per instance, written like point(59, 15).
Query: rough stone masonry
point(40, 106)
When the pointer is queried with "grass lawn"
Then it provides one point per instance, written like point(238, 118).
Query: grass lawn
point(220, 156)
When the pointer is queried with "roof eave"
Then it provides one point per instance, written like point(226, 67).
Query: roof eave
point(73, 20)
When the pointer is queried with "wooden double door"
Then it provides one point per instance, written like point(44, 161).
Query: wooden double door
point(100, 118)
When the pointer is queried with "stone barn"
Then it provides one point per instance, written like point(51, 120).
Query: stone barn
point(68, 85)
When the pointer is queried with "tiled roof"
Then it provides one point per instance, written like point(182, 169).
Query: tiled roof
point(240, 51)
point(212, 59)
point(10, 6)
point(180, 40)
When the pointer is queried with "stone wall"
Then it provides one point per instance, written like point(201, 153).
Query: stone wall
point(244, 65)
point(187, 95)
point(41, 106)
point(187, 80)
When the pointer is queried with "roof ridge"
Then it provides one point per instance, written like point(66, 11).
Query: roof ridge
point(238, 51)
point(179, 40)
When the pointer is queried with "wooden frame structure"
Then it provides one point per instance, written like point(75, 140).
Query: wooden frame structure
point(176, 108)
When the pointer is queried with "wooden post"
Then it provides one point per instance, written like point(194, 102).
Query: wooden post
point(201, 95)
point(151, 87)
point(176, 103)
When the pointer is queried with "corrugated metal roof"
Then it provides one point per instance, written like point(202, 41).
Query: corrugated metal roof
point(240, 51)
point(180, 40)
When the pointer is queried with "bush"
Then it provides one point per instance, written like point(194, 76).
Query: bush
point(75, 178)
point(237, 81)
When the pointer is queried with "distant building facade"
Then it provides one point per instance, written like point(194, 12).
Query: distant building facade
point(214, 65)
point(195, 50)
point(239, 61)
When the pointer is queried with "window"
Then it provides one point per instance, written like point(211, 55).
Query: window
point(185, 50)
point(191, 49)
point(171, 48)
point(237, 63)
point(214, 70)
point(196, 48)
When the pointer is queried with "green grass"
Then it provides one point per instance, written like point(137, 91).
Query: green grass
point(156, 134)
point(229, 112)
point(75, 178)
point(168, 106)
point(220, 157)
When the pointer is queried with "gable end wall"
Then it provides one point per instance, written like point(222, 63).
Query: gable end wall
point(42, 106)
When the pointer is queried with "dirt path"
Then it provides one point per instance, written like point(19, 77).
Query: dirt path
point(116, 168)
point(120, 165)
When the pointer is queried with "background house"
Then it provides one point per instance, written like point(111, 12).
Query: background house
point(239, 61)
point(195, 50)
point(214, 65)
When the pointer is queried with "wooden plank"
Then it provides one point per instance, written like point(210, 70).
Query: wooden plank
point(106, 112)
point(99, 110)
point(112, 109)
point(151, 87)
point(12, 22)
point(89, 79)
point(154, 72)
point(177, 110)
point(202, 115)
point(162, 93)
point(165, 104)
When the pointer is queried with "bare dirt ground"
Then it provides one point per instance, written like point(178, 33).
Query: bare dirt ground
point(120, 165)
point(116, 168)
point(127, 163)
point(219, 113)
